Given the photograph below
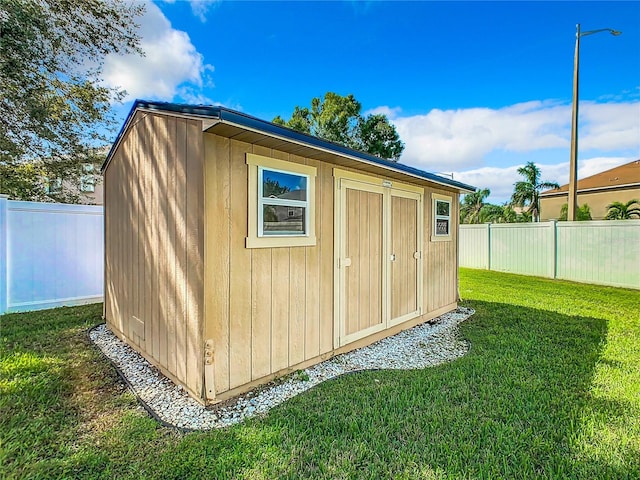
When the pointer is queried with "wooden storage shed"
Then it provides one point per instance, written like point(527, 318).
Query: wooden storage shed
point(237, 250)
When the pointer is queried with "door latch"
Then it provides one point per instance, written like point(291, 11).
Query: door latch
point(345, 262)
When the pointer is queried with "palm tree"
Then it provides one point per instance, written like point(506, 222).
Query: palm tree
point(583, 213)
point(491, 213)
point(623, 211)
point(527, 193)
point(498, 214)
point(472, 205)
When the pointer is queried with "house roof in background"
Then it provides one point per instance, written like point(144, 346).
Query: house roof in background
point(623, 176)
point(223, 115)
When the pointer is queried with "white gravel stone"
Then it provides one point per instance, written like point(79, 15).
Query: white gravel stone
point(422, 346)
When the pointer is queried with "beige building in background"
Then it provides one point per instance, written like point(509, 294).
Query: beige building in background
point(619, 184)
point(223, 285)
point(89, 186)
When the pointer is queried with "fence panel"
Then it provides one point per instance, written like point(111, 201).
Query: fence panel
point(525, 248)
point(599, 252)
point(53, 255)
point(604, 252)
point(476, 241)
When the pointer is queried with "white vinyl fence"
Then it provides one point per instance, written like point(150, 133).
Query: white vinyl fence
point(51, 255)
point(599, 252)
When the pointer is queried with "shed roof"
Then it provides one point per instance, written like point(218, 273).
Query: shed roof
point(623, 176)
point(233, 124)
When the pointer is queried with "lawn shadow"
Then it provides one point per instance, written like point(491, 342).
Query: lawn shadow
point(512, 408)
point(519, 405)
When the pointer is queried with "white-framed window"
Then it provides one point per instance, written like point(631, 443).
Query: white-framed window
point(54, 185)
point(87, 183)
point(88, 179)
point(281, 205)
point(442, 205)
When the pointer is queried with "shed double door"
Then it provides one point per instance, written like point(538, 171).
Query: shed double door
point(379, 233)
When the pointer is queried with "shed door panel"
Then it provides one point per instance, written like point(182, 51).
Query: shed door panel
point(378, 270)
point(363, 259)
point(405, 257)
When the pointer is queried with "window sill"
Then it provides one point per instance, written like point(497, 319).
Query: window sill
point(440, 238)
point(275, 242)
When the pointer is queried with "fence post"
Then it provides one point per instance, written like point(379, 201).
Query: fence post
point(554, 251)
point(488, 246)
point(3, 253)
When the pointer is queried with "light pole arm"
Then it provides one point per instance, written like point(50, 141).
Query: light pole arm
point(591, 32)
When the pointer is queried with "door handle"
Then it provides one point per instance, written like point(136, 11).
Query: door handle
point(346, 262)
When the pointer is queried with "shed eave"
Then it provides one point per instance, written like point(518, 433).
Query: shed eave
point(317, 144)
point(213, 115)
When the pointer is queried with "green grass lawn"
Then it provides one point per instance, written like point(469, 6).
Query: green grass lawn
point(550, 389)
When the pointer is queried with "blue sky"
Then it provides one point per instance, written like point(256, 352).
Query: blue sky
point(474, 88)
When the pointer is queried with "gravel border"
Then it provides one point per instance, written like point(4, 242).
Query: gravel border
point(425, 345)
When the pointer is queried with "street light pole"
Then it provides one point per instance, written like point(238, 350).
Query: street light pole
point(573, 159)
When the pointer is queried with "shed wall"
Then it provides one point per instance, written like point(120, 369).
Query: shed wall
point(154, 244)
point(263, 305)
point(441, 260)
point(270, 309)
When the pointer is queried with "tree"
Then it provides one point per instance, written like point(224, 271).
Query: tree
point(491, 213)
point(379, 137)
point(472, 205)
point(583, 213)
point(55, 112)
point(338, 119)
point(623, 211)
point(501, 214)
point(527, 193)
point(272, 188)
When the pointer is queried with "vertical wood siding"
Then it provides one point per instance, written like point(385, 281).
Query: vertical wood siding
point(364, 232)
point(441, 259)
point(267, 309)
point(154, 243)
point(404, 281)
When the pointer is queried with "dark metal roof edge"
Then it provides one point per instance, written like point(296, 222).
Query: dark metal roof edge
point(281, 131)
point(203, 111)
point(248, 121)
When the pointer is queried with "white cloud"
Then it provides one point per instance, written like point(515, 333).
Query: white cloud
point(200, 8)
point(171, 61)
point(390, 112)
point(499, 180)
point(462, 138)
point(609, 126)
